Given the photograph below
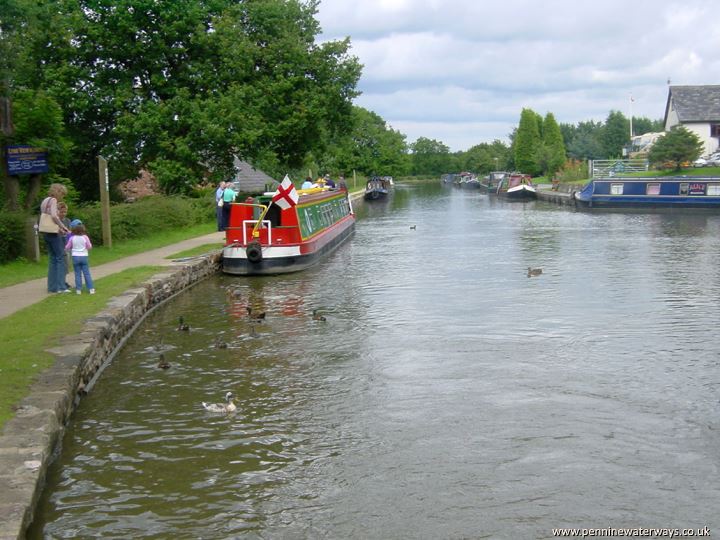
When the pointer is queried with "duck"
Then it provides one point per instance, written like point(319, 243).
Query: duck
point(534, 271)
point(162, 363)
point(220, 344)
point(258, 316)
point(182, 326)
point(317, 317)
point(235, 293)
point(413, 227)
point(227, 407)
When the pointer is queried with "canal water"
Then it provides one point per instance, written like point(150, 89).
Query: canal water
point(447, 395)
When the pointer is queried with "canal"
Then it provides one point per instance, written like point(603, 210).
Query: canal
point(447, 395)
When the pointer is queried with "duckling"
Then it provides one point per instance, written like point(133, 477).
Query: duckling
point(413, 227)
point(258, 316)
point(534, 271)
point(163, 364)
point(235, 293)
point(227, 407)
point(220, 344)
point(317, 316)
point(182, 326)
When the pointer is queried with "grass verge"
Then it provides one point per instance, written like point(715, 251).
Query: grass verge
point(23, 270)
point(26, 334)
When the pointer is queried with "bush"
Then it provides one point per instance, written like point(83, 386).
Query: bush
point(12, 235)
point(145, 216)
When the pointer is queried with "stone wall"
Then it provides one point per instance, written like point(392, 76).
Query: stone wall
point(29, 440)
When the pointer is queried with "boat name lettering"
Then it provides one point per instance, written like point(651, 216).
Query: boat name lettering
point(696, 189)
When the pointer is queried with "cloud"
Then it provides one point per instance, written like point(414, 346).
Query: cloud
point(464, 70)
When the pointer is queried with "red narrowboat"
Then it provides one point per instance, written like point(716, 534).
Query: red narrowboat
point(265, 238)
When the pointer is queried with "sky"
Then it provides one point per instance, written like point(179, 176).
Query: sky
point(461, 71)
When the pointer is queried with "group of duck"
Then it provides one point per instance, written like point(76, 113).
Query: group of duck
point(229, 405)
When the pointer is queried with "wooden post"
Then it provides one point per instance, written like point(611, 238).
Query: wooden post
point(354, 180)
point(105, 200)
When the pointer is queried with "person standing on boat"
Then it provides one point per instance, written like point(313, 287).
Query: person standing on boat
point(218, 206)
point(228, 197)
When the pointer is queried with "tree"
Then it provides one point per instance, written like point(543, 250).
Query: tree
point(369, 146)
point(552, 154)
point(677, 146)
point(180, 87)
point(38, 122)
point(430, 157)
point(527, 141)
point(616, 134)
point(643, 125)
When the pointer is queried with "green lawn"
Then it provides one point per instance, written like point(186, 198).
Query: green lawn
point(27, 333)
point(23, 270)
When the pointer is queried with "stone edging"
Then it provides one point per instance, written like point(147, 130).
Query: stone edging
point(28, 441)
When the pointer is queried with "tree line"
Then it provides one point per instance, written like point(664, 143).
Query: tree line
point(179, 88)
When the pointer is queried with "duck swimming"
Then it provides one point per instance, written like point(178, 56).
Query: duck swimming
point(317, 316)
point(182, 326)
point(258, 315)
point(162, 363)
point(220, 344)
point(227, 407)
point(534, 271)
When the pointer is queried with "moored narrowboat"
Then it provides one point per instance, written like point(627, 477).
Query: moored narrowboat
point(662, 192)
point(377, 188)
point(265, 237)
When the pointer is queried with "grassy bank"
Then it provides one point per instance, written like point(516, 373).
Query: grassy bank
point(23, 270)
point(26, 334)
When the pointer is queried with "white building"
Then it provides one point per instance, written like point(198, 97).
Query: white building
point(697, 108)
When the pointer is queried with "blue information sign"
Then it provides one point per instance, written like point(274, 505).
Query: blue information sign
point(26, 160)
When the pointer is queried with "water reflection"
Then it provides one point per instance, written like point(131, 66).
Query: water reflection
point(446, 395)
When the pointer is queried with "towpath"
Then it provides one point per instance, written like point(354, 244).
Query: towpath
point(22, 295)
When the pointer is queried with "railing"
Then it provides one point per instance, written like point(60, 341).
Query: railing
point(266, 225)
point(616, 167)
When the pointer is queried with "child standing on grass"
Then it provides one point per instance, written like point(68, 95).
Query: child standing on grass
point(80, 244)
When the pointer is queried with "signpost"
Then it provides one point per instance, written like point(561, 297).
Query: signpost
point(26, 160)
point(105, 200)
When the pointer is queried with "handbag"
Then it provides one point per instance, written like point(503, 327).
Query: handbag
point(47, 224)
point(220, 202)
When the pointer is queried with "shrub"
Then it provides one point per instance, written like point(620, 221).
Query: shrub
point(145, 216)
point(12, 235)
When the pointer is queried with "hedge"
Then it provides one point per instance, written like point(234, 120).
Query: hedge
point(129, 220)
point(12, 235)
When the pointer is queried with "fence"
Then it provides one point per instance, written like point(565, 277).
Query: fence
point(604, 168)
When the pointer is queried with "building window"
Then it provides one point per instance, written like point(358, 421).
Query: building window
point(684, 188)
point(715, 130)
point(653, 189)
point(713, 189)
point(616, 189)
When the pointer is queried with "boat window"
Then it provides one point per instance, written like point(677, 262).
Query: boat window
point(616, 189)
point(713, 189)
point(684, 188)
point(653, 189)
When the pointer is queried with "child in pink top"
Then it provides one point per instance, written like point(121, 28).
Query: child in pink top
point(79, 245)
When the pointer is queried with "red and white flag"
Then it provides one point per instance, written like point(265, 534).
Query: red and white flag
point(286, 195)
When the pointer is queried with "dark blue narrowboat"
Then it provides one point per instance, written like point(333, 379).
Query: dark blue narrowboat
point(664, 192)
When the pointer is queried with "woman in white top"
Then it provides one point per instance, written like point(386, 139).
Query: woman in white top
point(54, 241)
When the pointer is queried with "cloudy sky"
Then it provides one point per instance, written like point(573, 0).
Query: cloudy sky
point(461, 71)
